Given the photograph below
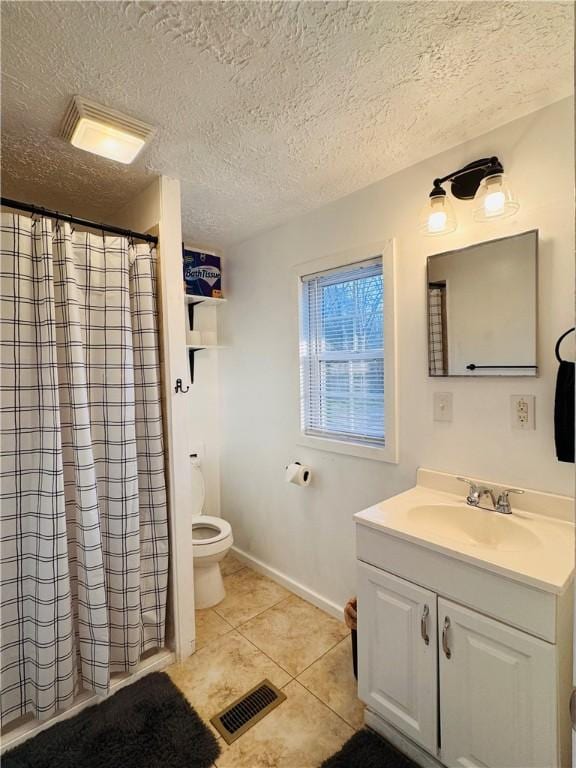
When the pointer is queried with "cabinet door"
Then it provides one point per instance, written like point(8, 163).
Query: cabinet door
point(397, 658)
point(497, 693)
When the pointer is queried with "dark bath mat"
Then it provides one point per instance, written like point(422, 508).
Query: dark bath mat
point(368, 750)
point(148, 724)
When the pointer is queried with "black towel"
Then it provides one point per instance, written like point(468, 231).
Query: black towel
point(564, 412)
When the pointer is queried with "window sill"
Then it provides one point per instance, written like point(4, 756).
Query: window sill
point(387, 454)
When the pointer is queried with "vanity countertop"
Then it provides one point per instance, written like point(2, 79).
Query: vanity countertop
point(531, 548)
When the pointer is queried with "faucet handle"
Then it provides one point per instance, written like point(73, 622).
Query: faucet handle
point(506, 491)
point(471, 483)
point(473, 497)
point(503, 503)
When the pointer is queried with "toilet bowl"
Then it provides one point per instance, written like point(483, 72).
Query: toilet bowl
point(211, 540)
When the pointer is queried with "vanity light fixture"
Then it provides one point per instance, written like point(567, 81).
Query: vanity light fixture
point(482, 181)
point(104, 131)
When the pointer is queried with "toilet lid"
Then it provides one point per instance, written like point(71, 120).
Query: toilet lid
point(207, 530)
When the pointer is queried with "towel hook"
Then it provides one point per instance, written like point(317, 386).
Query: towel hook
point(179, 388)
point(559, 342)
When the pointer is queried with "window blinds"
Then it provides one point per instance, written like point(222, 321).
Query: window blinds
point(342, 355)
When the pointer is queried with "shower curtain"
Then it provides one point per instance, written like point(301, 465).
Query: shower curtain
point(437, 351)
point(84, 549)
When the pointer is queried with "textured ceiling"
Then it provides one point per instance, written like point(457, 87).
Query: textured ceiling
point(266, 109)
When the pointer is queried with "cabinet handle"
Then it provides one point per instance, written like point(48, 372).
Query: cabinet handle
point(424, 625)
point(445, 648)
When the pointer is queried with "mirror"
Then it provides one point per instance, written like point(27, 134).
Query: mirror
point(482, 309)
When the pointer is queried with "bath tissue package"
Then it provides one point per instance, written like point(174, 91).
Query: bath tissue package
point(299, 474)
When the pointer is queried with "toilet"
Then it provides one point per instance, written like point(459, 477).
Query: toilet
point(211, 540)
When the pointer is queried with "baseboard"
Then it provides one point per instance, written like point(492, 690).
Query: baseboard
point(401, 742)
point(290, 584)
point(21, 733)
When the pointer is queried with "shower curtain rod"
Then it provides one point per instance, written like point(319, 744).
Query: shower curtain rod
point(75, 220)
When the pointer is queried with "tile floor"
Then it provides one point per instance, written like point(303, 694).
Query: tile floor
point(261, 630)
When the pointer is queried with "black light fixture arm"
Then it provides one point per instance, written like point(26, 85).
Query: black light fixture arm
point(466, 180)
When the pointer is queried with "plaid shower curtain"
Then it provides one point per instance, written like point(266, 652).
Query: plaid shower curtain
point(84, 549)
point(436, 335)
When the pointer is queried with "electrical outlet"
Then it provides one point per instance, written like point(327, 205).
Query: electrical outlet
point(522, 410)
point(442, 406)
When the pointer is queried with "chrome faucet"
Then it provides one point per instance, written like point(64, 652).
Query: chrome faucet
point(477, 492)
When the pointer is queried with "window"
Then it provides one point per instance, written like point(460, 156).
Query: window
point(342, 354)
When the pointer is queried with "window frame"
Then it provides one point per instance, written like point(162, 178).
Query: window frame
point(386, 251)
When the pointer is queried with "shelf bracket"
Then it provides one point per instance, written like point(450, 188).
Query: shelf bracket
point(191, 359)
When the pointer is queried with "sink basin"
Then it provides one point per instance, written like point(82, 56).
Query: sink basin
point(530, 547)
point(471, 525)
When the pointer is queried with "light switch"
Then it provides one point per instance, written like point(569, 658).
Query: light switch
point(522, 408)
point(442, 406)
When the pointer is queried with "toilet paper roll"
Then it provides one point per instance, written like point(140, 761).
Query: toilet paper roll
point(299, 474)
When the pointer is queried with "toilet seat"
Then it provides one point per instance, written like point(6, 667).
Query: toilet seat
point(208, 530)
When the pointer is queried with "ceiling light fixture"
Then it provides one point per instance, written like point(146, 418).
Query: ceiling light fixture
point(104, 131)
point(482, 181)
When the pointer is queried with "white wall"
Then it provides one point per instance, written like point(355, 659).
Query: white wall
point(307, 534)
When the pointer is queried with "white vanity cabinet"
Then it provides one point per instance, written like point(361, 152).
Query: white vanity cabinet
point(466, 663)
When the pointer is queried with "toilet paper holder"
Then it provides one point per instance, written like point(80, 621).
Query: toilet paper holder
point(305, 475)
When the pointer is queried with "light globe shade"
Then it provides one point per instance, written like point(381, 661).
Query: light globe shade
point(438, 217)
point(494, 199)
point(106, 141)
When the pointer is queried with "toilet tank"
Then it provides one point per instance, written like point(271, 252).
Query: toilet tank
point(198, 489)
